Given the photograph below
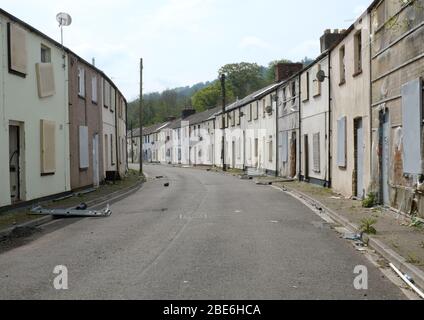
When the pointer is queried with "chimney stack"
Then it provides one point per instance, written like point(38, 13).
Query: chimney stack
point(187, 113)
point(329, 38)
point(283, 71)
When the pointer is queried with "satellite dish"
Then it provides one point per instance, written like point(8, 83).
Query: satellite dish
point(64, 19)
point(321, 76)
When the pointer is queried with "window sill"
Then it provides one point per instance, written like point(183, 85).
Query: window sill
point(357, 73)
point(17, 73)
point(105, 106)
point(81, 97)
point(343, 82)
point(94, 102)
point(48, 174)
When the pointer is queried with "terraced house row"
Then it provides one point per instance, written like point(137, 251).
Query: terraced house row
point(63, 121)
point(352, 120)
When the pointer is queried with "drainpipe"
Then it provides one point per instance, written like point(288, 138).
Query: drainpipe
point(370, 102)
point(116, 134)
point(224, 167)
point(277, 149)
point(300, 127)
point(329, 119)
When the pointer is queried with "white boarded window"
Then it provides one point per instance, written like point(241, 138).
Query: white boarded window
point(81, 82)
point(17, 50)
point(270, 149)
point(113, 99)
point(317, 84)
point(45, 79)
point(412, 126)
point(341, 142)
point(94, 89)
point(317, 152)
point(48, 147)
point(284, 146)
point(106, 94)
point(305, 86)
point(83, 147)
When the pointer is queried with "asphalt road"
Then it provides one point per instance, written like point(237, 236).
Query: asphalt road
point(207, 236)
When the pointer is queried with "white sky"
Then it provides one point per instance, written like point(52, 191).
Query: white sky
point(184, 42)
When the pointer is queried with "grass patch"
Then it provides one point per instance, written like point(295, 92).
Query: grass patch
point(370, 201)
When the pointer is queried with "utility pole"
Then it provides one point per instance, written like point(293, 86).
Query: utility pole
point(132, 143)
point(224, 166)
point(140, 117)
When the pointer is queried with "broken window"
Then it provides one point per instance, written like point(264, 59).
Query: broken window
point(45, 54)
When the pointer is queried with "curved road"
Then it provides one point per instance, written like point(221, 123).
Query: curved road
point(207, 236)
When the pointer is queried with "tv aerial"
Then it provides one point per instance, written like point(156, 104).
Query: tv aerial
point(64, 20)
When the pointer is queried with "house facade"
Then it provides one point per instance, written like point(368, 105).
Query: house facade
point(350, 111)
point(85, 124)
point(397, 70)
point(315, 123)
point(288, 113)
point(34, 114)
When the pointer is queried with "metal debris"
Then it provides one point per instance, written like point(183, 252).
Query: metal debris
point(39, 210)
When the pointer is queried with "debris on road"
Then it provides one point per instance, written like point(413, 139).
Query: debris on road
point(159, 177)
point(75, 212)
point(166, 185)
point(407, 280)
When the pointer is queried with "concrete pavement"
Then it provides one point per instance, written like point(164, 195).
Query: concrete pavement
point(207, 236)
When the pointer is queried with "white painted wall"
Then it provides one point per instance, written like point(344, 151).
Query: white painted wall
point(19, 101)
point(315, 119)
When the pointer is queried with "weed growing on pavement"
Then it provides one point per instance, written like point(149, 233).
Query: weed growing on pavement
point(367, 225)
point(370, 201)
point(412, 259)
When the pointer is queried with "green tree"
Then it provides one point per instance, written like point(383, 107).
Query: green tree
point(244, 78)
point(211, 96)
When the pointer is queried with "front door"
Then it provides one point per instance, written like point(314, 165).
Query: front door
point(359, 143)
point(14, 163)
point(293, 155)
point(386, 158)
point(233, 155)
point(96, 180)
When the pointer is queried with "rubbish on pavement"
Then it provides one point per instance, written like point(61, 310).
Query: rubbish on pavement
point(82, 206)
point(335, 198)
point(166, 185)
point(159, 177)
point(407, 281)
point(39, 210)
point(353, 236)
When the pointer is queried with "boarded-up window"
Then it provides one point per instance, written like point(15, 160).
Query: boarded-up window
point(237, 114)
point(48, 147)
point(270, 150)
point(113, 100)
point(317, 84)
point(112, 158)
point(358, 51)
point(284, 146)
point(83, 147)
point(94, 89)
point(45, 79)
point(412, 125)
point(341, 142)
point(342, 64)
point(106, 94)
point(317, 153)
point(17, 49)
point(305, 86)
point(81, 82)
point(256, 111)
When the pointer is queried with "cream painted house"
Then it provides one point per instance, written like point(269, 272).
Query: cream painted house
point(350, 111)
point(315, 123)
point(34, 114)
